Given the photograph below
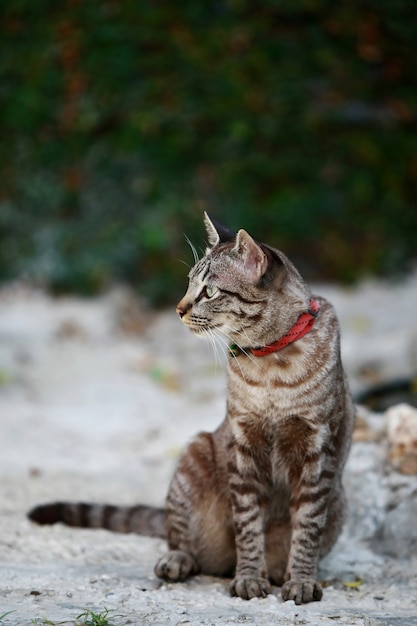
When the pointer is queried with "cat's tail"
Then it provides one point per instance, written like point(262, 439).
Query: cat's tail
point(140, 519)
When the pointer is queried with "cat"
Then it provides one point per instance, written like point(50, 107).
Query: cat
point(261, 498)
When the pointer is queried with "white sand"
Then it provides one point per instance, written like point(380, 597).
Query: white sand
point(90, 412)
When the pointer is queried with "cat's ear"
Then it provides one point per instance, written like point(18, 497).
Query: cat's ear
point(251, 256)
point(211, 231)
point(216, 232)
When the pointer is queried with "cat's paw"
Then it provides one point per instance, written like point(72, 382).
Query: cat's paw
point(247, 588)
point(176, 565)
point(302, 591)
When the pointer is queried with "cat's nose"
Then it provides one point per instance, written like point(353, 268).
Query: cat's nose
point(183, 307)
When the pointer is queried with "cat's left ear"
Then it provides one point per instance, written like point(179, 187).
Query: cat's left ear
point(216, 232)
point(251, 256)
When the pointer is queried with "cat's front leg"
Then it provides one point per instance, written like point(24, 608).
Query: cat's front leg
point(251, 577)
point(309, 505)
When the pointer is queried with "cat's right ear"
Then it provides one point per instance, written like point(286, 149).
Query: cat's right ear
point(251, 256)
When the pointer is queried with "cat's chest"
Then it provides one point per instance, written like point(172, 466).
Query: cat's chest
point(264, 388)
point(277, 447)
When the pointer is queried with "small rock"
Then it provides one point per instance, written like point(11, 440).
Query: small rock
point(397, 536)
point(401, 423)
point(70, 329)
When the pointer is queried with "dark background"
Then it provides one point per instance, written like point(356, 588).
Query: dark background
point(121, 121)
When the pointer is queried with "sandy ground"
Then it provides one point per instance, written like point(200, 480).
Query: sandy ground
point(97, 399)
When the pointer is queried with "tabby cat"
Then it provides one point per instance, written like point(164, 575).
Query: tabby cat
point(261, 498)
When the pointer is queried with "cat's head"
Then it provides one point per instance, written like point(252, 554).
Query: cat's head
point(245, 290)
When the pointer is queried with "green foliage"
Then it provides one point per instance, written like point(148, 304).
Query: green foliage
point(123, 121)
point(87, 618)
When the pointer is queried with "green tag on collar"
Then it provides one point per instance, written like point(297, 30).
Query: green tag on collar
point(234, 349)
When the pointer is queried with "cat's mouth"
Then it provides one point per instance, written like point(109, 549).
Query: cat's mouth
point(200, 328)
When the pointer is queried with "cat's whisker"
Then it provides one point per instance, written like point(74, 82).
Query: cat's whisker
point(246, 352)
point(183, 262)
point(222, 341)
point(221, 347)
point(226, 343)
point(211, 338)
point(214, 347)
point(193, 249)
point(242, 333)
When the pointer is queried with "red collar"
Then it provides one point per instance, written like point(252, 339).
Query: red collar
point(301, 327)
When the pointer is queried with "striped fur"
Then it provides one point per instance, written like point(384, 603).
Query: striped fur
point(261, 498)
point(141, 519)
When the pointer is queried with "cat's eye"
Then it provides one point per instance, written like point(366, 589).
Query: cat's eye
point(211, 290)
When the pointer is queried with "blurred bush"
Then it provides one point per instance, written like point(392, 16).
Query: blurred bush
point(122, 121)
